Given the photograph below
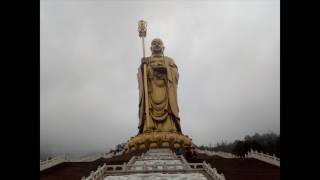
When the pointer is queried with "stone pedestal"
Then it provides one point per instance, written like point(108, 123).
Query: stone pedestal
point(157, 140)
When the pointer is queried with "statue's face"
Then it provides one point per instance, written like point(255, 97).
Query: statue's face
point(157, 46)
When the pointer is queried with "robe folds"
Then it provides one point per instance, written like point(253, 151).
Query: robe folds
point(162, 94)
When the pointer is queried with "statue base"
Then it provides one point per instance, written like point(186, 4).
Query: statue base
point(148, 140)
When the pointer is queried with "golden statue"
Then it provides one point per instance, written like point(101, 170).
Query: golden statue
point(162, 77)
point(159, 121)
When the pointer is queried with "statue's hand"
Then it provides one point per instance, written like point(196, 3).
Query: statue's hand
point(144, 60)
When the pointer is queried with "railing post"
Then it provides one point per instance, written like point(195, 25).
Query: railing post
point(185, 166)
point(165, 166)
point(124, 167)
point(144, 166)
point(205, 167)
point(209, 165)
point(222, 176)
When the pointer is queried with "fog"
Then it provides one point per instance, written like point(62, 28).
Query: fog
point(227, 53)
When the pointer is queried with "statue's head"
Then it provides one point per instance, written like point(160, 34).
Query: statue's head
point(157, 46)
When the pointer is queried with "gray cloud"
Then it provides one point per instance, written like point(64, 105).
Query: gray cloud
point(227, 53)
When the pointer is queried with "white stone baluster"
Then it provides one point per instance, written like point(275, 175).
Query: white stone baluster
point(144, 166)
point(124, 167)
point(165, 167)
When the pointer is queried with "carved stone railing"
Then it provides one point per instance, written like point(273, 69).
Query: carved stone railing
point(96, 175)
point(63, 158)
point(102, 171)
point(96, 157)
point(52, 162)
point(213, 172)
point(264, 157)
point(156, 157)
point(182, 159)
point(217, 153)
point(132, 160)
point(251, 154)
point(90, 158)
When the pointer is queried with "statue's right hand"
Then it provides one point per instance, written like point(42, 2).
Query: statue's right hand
point(144, 60)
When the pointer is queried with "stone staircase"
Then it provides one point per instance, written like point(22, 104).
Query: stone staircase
point(161, 161)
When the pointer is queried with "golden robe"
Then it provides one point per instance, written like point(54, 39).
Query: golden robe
point(162, 80)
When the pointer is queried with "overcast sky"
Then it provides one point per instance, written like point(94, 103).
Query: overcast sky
point(227, 53)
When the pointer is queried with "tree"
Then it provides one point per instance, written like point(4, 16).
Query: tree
point(239, 148)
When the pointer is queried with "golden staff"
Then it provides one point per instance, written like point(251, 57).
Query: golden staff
point(142, 28)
